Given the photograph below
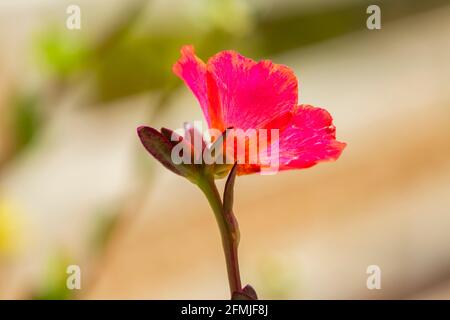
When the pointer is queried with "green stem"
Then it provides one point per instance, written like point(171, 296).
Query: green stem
point(228, 229)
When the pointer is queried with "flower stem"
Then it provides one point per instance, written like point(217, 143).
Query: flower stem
point(229, 231)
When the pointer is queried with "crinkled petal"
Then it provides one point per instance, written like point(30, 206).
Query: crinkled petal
point(250, 94)
point(192, 70)
point(310, 138)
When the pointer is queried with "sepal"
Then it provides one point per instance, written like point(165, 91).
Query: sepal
point(248, 293)
point(160, 147)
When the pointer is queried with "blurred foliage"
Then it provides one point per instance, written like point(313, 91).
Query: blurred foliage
point(104, 225)
point(23, 120)
point(53, 282)
point(145, 68)
point(299, 28)
point(26, 119)
point(60, 54)
point(130, 59)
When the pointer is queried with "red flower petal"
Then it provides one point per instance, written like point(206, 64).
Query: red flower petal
point(250, 94)
point(192, 71)
point(238, 92)
point(309, 139)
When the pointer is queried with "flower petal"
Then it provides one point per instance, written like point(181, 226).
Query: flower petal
point(249, 94)
point(195, 138)
point(192, 70)
point(309, 139)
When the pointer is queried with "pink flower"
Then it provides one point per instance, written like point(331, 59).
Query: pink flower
point(239, 93)
point(235, 91)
